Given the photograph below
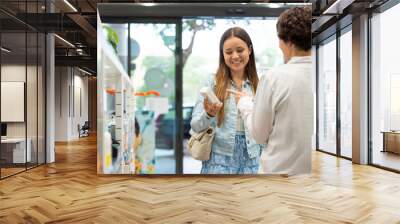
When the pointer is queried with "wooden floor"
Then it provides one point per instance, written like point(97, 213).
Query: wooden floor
point(69, 191)
point(387, 159)
point(5, 172)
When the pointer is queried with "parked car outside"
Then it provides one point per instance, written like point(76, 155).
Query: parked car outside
point(165, 127)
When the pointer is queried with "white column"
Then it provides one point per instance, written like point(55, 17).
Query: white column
point(50, 99)
point(360, 90)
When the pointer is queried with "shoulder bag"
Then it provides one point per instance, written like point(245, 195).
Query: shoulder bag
point(199, 144)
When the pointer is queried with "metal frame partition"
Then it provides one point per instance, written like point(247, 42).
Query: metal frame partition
point(369, 77)
point(316, 97)
point(336, 31)
point(28, 29)
point(319, 44)
point(340, 33)
point(338, 98)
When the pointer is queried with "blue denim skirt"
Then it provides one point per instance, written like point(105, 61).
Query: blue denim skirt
point(239, 163)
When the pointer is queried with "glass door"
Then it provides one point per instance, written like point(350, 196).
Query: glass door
point(346, 94)
point(327, 97)
point(385, 90)
point(15, 149)
point(152, 66)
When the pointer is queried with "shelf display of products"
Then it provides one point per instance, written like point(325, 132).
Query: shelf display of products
point(116, 135)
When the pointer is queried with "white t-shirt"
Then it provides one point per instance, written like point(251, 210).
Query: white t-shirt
point(281, 117)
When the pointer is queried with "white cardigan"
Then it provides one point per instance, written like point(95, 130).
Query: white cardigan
point(283, 117)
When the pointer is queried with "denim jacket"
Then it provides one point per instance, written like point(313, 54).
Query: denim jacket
point(224, 140)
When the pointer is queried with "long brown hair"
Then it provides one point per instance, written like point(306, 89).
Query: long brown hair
point(223, 75)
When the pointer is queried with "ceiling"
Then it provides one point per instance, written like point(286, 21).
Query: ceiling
point(75, 21)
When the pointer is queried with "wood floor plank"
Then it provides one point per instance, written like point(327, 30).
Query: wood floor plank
point(70, 191)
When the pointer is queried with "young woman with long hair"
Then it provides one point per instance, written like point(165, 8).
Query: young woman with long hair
point(233, 150)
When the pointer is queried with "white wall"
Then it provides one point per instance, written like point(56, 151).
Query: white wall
point(81, 84)
point(14, 73)
point(79, 112)
point(71, 94)
point(61, 103)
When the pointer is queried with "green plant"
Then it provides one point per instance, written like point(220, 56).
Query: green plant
point(112, 37)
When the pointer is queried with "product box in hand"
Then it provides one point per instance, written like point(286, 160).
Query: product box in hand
point(210, 95)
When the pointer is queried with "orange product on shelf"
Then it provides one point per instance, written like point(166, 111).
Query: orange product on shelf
point(150, 92)
point(110, 91)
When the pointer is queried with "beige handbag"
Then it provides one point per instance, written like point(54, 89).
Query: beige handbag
point(200, 144)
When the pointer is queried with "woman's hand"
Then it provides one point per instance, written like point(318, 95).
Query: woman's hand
point(211, 109)
point(237, 94)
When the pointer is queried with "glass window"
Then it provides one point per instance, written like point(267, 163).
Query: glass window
point(346, 94)
point(201, 59)
point(385, 89)
point(327, 97)
point(153, 71)
point(15, 150)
